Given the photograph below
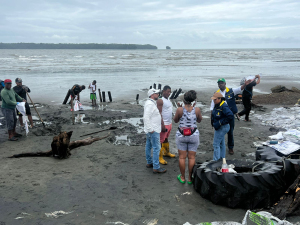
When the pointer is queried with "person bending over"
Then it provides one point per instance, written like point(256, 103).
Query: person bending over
point(187, 135)
point(75, 90)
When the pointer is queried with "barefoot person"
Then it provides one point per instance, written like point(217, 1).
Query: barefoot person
point(9, 102)
point(229, 94)
point(165, 107)
point(21, 90)
point(246, 98)
point(93, 89)
point(220, 120)
point(187, 135)
point(152, 128)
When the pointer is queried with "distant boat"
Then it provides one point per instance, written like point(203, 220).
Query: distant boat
point(168, 47)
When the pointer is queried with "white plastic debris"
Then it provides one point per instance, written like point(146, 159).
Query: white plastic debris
point(262, 218)
point(57, 214)
point(278, 136)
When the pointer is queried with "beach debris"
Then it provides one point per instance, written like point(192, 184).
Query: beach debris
point(186, 193)
point(110, 128)
point(289, 203)
point(151, 222)
point(105, 213)
point(24, 215)
point(61, 146)
point(177, 198)
point(57, 214)
point(119, 222)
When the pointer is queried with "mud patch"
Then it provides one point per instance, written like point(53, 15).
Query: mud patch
point(47, 131)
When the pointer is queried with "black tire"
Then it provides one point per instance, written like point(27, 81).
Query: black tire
point(291, 167)
point(245, 189)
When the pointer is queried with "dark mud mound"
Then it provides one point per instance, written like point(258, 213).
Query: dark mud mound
point(49, 130)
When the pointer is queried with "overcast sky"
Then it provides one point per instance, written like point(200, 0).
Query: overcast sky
point(181, 24)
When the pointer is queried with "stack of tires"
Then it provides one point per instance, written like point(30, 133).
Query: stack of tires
point(244, 189)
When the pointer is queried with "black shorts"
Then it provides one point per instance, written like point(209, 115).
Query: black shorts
point(27, 109)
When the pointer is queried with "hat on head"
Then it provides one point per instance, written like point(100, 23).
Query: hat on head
point(152, 91)
point(221, 80)
point(7, 81)
point(95, 81)
point(18, 80)
point(217, 95)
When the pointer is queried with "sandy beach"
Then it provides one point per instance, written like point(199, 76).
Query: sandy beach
point(107, 182)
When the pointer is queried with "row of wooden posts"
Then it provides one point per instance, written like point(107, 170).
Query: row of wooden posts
point(174, 94)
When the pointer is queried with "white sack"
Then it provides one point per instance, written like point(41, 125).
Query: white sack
point(21, 108)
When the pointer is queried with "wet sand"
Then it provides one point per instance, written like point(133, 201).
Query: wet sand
point(107, 182)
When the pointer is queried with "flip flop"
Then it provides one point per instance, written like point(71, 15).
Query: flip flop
point(13, 139)
point(179, 178)
point(238, 117)
point(190, 182)
point(18, 135)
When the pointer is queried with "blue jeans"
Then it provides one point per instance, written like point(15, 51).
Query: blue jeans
point(153, 141)
point(219, 142)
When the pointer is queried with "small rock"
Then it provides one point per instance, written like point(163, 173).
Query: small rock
point(243, 154)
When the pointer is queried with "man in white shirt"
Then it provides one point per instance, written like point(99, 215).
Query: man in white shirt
point(229, 94)
point(152, 128)
point(165, 107)
point(93, 88)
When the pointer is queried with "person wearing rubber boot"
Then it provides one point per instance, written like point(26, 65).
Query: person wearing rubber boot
point(220, 119)
point(9, 101)
point(229, 94)
point(164, 106)
point(152, 127)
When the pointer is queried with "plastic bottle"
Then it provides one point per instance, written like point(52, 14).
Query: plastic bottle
point(225, 168)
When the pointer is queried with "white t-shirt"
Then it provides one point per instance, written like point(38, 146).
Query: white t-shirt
point(167, 111)
point(92, 88)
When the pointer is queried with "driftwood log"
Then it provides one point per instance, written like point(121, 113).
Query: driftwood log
point(289, 203)
point(61, 146)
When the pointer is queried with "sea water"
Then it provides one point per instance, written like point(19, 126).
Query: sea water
point(50, 73)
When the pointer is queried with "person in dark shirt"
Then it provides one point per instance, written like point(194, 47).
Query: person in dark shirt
point(21, 90)
point(75, 90)
point(246, 98)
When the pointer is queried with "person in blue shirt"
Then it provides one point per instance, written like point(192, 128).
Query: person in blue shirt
point(220, 119)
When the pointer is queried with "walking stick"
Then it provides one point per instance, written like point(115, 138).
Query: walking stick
point(72, 109)
point(35, 108)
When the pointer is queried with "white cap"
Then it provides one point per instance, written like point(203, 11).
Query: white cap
point(152, 91)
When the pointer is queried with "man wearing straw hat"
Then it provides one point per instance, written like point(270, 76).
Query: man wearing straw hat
point(9, 102)
point(21, 91)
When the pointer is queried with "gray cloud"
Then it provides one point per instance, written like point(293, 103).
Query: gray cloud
point(184, 24)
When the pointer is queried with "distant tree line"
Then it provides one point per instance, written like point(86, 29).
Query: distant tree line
point(73, 46)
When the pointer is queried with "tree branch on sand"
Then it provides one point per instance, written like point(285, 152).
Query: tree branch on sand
point(61, 146)
point(289, 203)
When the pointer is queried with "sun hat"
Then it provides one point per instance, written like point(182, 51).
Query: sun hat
point(152, 91)
point(216, 95)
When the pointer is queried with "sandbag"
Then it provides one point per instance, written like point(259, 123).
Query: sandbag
point(21, 108)
point(77, 106)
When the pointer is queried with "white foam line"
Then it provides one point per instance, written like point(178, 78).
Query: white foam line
point(56, 214)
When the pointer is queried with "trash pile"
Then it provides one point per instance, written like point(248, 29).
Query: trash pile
point(283, 117)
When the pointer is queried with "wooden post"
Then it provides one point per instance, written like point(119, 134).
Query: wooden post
point(67, 97)
point(154, 85)
point(174, 92)
point(178, 92)
point(103, 96)
point(109, 96)
point(72, 109)
point(100, 95)
point(150, 87)
point(159, 86)
point(35, 108)
point(137, 97)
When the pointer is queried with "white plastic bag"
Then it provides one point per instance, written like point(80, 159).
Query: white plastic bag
point(21, 108)
point(77, 106)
